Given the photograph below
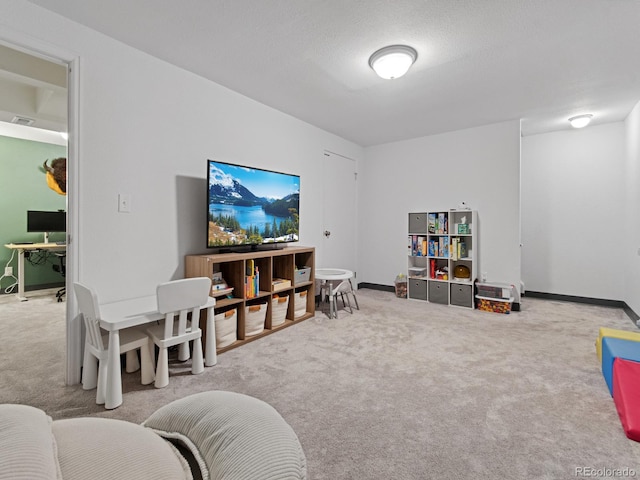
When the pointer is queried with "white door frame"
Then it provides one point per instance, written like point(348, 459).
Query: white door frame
point(331, 211)
point(32, 46)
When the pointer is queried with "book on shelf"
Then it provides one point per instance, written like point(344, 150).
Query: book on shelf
point(418, 245)
point(250, 267)
point(280, 283)
point(251, 286)
point(221, 292)
point(431, 223)
point(442, 223)
point(251, 280)
point(462, 250)
point(444, 248)
point(421, 248)
point(219, 285)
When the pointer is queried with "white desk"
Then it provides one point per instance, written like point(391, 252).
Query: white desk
point(22, 247)
point(138, 311)
point(327, 275)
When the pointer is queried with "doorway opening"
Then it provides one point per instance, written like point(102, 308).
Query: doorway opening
point(38, 114)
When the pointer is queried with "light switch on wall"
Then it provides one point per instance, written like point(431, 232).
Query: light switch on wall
point(124, 202)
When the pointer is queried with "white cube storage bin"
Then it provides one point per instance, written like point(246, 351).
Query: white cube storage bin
point(279, 307)
point(226, 328)
point(254, 319)
point(300, 304)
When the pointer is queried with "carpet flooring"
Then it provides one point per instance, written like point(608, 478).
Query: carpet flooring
point(401, 389)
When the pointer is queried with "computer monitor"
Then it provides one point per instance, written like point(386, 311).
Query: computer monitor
point(46, 222)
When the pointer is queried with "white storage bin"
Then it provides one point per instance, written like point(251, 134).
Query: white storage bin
point(279, 307)
point(492, 290)
point(300, 304)
point(254, 319)
point(301, 275)
point(226, 328)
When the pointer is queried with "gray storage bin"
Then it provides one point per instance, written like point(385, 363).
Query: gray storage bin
point(301, 275)
point(461, 295)
point(418, 289)
point(439, 292)
point(418, 223)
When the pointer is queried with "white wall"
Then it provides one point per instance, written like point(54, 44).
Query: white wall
point(480, 166)
point(631, 226)
point(147, 129)
point(133, 139)
point(573, 212)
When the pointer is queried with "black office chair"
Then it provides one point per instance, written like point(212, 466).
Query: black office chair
point(62, 270)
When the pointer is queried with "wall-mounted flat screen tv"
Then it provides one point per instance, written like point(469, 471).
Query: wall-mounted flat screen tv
point(251, 206)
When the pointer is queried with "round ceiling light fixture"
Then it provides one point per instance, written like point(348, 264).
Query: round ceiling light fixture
point(393, 61)
point(580, 121)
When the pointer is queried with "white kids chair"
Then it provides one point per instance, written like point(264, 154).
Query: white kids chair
point(176, 300)
point(95, 364)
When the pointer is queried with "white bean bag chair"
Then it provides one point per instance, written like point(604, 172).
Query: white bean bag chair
point(212, 435)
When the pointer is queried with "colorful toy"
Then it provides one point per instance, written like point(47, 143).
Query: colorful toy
point(613, 348)
point(626, 395)
point(493, 305)
point(613, 333)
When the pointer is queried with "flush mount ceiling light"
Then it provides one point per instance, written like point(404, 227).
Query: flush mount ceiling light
point(580, 120)
point(393, 61)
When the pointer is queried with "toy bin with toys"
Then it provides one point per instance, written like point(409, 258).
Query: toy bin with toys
point(401, 286)
point(494, 297)
point(493, 305)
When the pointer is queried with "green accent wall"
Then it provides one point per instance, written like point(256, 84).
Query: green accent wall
point(23, 186)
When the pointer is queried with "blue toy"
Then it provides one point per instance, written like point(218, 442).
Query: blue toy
point(617, 348)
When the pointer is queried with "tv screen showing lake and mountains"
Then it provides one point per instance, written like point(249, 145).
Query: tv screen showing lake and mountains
point(251, 206)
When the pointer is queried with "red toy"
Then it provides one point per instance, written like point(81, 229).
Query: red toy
point(626, 395)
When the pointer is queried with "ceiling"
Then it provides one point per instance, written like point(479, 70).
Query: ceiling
point(32, 89)
point(479, 61)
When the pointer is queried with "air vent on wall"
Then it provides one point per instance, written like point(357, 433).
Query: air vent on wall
point(26, 121)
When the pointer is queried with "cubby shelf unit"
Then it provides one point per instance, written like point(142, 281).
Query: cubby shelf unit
point(438, 242)
point(277, 263)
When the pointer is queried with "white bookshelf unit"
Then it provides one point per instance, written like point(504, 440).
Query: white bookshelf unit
point(442, 251)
